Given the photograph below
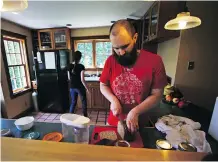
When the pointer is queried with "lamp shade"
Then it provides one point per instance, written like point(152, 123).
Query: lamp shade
point(183, 21)
point(13, 5)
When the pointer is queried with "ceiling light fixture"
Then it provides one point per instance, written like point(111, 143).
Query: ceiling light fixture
point(15, 13)
point(13, 5)
point(68, 24)
point(183, 21)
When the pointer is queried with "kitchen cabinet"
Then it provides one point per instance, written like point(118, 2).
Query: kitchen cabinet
point(155, 19)
point(95, 99)
point(52, 39)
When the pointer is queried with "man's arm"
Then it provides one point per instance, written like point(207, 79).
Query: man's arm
point(106, 91)
point(115, 104)
point(150, 102)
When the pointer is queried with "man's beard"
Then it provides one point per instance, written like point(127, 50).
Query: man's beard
point(128, 59)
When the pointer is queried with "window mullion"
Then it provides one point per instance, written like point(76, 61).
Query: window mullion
point(94, 53)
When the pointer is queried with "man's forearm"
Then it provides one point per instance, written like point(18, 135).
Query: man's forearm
point(106, 91)
point(149, 103)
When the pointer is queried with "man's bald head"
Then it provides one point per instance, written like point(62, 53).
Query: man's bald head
point(120, 25)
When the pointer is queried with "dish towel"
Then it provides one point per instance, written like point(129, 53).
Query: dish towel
point(180, 129)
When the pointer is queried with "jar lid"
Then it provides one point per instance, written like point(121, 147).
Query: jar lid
point(32, 135)
point(163, 144)
point(185, 146)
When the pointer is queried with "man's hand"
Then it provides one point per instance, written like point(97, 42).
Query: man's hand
point(116, 108)
point(132, 120)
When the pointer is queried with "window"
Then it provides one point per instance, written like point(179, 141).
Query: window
point(16, 64)
point(94, 52)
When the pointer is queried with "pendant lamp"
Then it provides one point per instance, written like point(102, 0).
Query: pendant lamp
point(13, 5)
point(183, 21)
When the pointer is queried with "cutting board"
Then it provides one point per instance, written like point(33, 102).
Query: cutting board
point(137, 143)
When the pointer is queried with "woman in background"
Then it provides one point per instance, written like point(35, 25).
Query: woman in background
point(77, 83)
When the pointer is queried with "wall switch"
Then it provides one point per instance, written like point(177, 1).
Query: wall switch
point(191, 65)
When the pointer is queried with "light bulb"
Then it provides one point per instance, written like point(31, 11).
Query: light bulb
point(1, 4)
point(182, 24)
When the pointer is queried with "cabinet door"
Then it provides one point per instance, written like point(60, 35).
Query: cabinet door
point(61, 38)
point(97, 98)
point(45, 39)
point(145, 28)
point(153, 25)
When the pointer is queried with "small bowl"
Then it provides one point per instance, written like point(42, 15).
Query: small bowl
point(24, 123)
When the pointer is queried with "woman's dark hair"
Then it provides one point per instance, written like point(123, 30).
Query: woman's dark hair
point(77, 56)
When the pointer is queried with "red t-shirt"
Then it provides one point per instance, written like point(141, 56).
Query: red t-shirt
point(133, 85)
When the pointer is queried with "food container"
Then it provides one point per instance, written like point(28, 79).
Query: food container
point(6, 133)
point(122, 143)
point(185, 146)
point(24, 123)
point(75, 128)
point(163, 145)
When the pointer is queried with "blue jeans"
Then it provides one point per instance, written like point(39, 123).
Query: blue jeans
point(74, 92)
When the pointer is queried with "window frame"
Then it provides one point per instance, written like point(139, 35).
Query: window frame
point(92, 39)
point(4, 57)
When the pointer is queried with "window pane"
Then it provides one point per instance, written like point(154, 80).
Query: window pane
point(81, 47)
point(100, 60)
point(8, 59)
point(13, 83)
point(17, 71)
point(18, 81)
point(87, 61)
point(16, 47)
point(11, 72)
point(22, 71)
point(103, 50)
point(11, 46)
point(88, 48)
point(108, 48)
point(24, 81)
point(99, 48)
point(6, 46)
point(13, 59)
point(18, 59)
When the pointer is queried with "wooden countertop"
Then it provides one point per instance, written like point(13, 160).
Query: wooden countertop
point(15, 149)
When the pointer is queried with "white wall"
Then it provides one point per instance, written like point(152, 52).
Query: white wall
point(169, 51)
point(21, 103)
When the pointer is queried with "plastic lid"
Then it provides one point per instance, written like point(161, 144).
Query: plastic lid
point(163, 144)
point(54, 136)
point(184, 146)
point(74, 120)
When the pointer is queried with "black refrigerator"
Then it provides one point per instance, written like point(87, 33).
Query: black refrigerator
point(51, 72)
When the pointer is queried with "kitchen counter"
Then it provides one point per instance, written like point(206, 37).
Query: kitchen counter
point(92, 78)
point(14, 149)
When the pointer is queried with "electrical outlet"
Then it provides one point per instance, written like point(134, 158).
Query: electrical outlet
point(191, 65)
